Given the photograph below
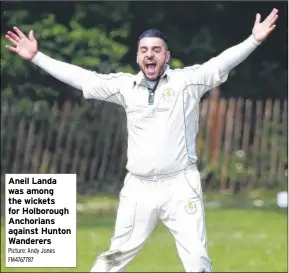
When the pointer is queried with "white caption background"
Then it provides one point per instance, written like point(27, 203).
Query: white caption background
point(63, 245)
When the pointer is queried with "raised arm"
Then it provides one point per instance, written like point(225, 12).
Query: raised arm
point(93, 85)
point(212, 73)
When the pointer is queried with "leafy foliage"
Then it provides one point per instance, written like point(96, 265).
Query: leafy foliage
point(102, 36)
point(77, 42)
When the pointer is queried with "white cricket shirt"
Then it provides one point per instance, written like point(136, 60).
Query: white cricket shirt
point(162, 135)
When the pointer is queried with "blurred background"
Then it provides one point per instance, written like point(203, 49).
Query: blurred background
point(47, 127)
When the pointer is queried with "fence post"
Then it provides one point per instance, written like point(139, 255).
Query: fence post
point(246, 138)
point(265, 132)
point(283, 149)
point(227, 146)
point(275, 134)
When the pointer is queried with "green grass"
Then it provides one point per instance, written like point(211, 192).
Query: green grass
point(239, 240)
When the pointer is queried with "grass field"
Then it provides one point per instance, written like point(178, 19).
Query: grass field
point(239, 240)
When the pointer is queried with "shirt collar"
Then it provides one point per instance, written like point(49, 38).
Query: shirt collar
point(140, 76)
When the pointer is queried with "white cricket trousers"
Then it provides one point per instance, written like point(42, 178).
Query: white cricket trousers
point(177, 201)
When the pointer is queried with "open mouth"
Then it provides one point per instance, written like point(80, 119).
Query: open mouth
point(151, 67)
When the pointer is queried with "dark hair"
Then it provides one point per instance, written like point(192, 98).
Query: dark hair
point(153, 33)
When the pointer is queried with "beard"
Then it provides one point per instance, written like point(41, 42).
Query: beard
point(161, 69)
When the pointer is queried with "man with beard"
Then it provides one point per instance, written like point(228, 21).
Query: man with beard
point(162, 107)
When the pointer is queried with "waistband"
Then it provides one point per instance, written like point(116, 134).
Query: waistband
point(192, 167)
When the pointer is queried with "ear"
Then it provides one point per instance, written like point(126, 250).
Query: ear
point(168, 56)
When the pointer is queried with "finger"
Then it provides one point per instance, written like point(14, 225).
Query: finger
point(271, 15)
point(258, 18)
point(274, 19)
point(10, 39)
point(13, 35)
point(271, 29)
point(275, 11)
point(19, 32)
point(31, 35)
point(11, 48)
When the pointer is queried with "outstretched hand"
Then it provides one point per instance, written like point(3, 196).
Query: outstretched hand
point(261, 30)
point(25, 47)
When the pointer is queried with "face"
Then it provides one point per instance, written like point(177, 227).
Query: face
point(152, 57)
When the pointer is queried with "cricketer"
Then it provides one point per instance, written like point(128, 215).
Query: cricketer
point(162, 107)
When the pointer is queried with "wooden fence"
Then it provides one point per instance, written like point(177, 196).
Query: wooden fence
point(242, 144)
